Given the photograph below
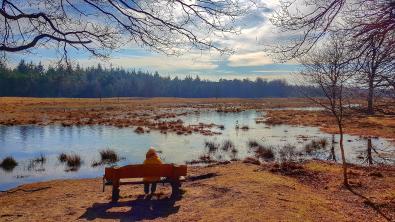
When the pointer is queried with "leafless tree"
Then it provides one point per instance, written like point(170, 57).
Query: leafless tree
point(308, 21)
point(328, 68)
point(100, 26)
point(377, 65)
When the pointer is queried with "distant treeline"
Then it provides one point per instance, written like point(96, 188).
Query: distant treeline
point(28, 79)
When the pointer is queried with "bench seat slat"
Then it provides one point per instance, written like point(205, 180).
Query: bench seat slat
point(145, 170)
point(108, 183)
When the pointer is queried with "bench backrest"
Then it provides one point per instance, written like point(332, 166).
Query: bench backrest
point(145, 170)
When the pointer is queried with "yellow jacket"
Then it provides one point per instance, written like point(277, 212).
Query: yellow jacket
point(152, 158)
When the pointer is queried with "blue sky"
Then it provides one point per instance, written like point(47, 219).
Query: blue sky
point(249, 59)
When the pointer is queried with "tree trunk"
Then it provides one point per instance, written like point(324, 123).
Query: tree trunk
point(370, 98)
point(345, 177)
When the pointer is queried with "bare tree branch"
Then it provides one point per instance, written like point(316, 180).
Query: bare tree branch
point(99, 26)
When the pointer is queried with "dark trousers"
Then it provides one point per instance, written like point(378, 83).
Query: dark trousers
point(146, 187)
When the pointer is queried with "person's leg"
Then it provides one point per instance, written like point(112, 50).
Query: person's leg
point(153, 187)
point(146, 188)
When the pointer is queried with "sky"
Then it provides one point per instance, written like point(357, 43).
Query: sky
point(248, 60)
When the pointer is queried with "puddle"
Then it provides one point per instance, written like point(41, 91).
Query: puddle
point(27, 143)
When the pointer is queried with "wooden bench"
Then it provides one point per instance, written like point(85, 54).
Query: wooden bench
point(172, 173)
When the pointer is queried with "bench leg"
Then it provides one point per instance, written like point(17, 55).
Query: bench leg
point(175, 189)
point(115, 191)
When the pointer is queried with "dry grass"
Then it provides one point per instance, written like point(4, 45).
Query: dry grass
point(316, 145)
point(73, 161)
point(8, 163)
point(211, 146)
point(125, 112)
point(236, 192)
point(62, 157)
point(355, 124)
point(261, 151)
point(217, 153)
point(109, 156)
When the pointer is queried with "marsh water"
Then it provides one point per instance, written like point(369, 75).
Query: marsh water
point(25, 143)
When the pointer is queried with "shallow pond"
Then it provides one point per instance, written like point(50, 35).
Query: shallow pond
point(26, 143)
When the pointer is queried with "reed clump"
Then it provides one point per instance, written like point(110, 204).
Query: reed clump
point(72, 161)
point(8, 163)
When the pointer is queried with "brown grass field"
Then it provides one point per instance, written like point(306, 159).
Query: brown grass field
point(148, 113)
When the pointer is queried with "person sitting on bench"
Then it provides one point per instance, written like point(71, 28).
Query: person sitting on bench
point(151, 158)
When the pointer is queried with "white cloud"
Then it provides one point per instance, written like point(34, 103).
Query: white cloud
point(159, 62)
point(249, 59)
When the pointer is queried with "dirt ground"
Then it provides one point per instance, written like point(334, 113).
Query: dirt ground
point(233, 192)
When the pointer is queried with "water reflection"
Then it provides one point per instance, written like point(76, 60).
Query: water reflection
point(332, 154)
point(376, 154)
point(26, 143)
point(37, 164)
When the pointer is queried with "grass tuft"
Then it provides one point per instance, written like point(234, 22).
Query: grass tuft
point(72, 161)
point(245, 127)
point(139, 130)
point(261, 151)
point(8, 163)
point(287, 153)
point(41, 159)
point(211, 146)
point(316, 145)
point(265, 153)
point(109, 156)
point(227, 145)
point(62, 157)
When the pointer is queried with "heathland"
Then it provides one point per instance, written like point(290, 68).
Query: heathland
point(236, 190)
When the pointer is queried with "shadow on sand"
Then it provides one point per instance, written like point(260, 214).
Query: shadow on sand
point(371, 204)
point(143, 208)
